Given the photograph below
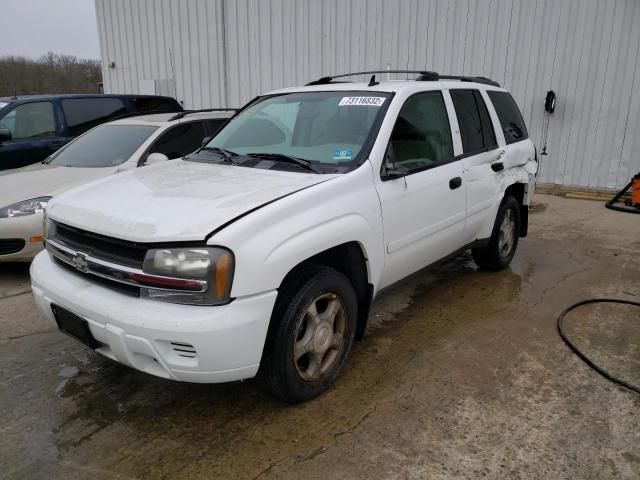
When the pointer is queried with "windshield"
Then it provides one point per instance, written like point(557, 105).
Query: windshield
point(104, 146)
point(327, 129)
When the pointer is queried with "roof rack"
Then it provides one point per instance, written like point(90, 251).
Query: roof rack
point(329, 79)
point(483, 80)
point(189, 112)
point(423, 76)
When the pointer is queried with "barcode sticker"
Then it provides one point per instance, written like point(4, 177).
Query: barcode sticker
point(362, 101)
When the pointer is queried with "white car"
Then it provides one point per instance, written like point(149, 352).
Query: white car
point(109, 148)
point(260, 255)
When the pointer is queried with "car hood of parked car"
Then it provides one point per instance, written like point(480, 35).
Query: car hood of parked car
point(42, 180)
point(174, 201)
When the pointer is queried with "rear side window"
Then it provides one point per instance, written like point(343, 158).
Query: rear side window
point(510, 117)
point(155, 104)
point(180, 141)
point(421, 137)
point(214, 125)
point(83, 114)
point(475, 125)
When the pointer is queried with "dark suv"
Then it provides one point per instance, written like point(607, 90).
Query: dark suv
point(33, 127)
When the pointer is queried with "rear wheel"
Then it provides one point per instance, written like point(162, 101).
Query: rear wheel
point(504, 239)
point(312, 332)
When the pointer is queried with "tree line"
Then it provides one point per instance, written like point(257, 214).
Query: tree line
point(51, 73)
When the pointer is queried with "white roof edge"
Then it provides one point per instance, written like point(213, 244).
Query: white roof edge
point(387, 86)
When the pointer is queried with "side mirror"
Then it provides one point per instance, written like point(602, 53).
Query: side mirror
point(5, 134)
point(154, 158)
point(206, 140)
point(393, 173)
point(389, 170)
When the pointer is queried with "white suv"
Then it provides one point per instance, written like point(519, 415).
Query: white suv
point(260, 254)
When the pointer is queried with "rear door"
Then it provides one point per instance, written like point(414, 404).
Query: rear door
point(83, 113)
point(34, 133)
point(423, 210)
point(517, 150)
point(480, 151)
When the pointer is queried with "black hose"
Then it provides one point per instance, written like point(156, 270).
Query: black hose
point(586, 359)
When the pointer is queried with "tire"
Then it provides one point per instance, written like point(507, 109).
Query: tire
point(502, 245)
point(294, 367)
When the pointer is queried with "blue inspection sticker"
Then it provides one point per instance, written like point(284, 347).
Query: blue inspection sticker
point(342, 154)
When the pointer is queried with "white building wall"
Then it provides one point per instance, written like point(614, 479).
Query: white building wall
point(224, 52)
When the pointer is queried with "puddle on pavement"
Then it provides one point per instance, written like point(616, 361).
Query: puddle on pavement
point(413, 321)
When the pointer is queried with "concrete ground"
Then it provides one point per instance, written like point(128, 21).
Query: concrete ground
point(461, 375)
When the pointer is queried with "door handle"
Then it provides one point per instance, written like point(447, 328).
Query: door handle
point(497, 166)
point(455, 183)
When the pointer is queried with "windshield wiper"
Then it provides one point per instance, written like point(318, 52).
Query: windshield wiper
point(280, 157)
point(227, 154)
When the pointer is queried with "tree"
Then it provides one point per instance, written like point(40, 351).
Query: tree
point(51, 73)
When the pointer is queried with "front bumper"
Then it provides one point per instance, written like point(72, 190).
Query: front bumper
point(22, 228)
point(228, 339)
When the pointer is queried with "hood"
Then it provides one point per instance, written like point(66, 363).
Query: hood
point(42, 180)
point(174, 201)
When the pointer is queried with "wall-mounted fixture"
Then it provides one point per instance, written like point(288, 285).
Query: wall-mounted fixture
point(111, 64)
point(549, 108)
point(550, 101)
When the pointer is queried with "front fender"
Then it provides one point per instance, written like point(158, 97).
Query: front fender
point(273, 240)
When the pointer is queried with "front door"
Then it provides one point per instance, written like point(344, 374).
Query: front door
point(421, 189)
point(34, 135)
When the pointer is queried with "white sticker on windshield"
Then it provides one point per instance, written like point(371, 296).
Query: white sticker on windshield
point(364, 101)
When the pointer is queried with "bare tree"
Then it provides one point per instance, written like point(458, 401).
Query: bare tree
point(51, 73)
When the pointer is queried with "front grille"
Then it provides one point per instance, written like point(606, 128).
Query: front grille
point(117, 286)
point(118, 251)
point(11, 245)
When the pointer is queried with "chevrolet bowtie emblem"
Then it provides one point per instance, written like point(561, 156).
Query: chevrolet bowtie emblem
point(80, 262)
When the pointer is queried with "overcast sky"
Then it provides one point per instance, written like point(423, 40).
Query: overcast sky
point(31, 28)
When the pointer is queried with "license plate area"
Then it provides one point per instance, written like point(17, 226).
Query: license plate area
point(74, 326)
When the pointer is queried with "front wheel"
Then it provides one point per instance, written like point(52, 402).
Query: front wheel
point(504, 239)
point(312, 332)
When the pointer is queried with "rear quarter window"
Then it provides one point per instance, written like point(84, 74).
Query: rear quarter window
point(155, 104)
point(180, 140)
point(510, 117)
point(83, 114)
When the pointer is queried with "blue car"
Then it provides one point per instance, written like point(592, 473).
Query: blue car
point(33, 127)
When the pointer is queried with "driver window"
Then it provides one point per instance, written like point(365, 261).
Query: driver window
point(421, 138)
point(30, 120)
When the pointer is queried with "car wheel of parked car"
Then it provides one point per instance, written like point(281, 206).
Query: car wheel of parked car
point(312, 332)
point(504, 239)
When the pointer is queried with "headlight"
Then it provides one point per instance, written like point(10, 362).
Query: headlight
point(24, 208)
point(211, 265)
